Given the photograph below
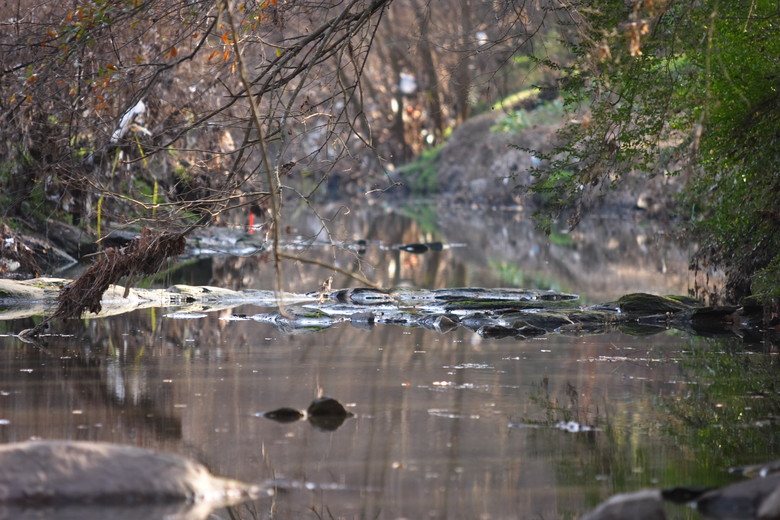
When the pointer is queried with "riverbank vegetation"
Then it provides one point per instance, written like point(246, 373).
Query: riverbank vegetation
point(142, 113)
point(680, 89)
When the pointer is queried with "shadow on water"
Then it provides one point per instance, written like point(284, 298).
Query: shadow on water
point(441, 423)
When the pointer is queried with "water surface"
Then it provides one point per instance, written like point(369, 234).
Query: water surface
point(445, 425)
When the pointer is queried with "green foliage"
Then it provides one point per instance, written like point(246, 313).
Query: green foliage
point(672, 87)
point(516, 98)
point(421, 174)
point(510, 273)
point(142, 189)
point(517, 120)
point(6, 171)
point(561, 239)
point(765, 282)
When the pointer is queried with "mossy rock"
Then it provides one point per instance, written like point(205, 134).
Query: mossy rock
point(685, 300)
point(644, 304)
point(546, 320)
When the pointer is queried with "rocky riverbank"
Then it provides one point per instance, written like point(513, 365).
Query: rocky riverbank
point(490, 313)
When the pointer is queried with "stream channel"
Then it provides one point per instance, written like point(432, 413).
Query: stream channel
point(446, 424)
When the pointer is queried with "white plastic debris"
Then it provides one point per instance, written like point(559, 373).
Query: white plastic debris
point(127, 120)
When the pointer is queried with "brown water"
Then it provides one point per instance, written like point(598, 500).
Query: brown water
point(445, 425)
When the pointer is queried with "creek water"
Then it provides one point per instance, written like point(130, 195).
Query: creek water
point(444, 425)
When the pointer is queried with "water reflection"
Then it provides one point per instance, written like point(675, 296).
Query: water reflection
point(445, 423)
point(437, 419)
point(602, 260)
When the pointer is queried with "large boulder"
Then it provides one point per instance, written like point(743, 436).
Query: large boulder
point(62, 473)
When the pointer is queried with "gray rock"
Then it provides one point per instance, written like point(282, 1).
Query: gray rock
point(640, 505)
point(58, 473)
point(756, 498)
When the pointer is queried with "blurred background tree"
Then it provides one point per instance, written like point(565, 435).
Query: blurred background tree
point(133, 110)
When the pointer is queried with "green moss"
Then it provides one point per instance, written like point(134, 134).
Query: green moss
point(643, 303)
point(48, 285)
point(517, 97)
point(685, 300)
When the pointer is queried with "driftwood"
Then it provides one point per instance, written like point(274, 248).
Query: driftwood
point(143, 256)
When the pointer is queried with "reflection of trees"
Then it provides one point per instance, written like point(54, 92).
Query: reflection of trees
point(591, 387)
point(731, 416)
point(394, 456)
point(100, 390)
point(499, 249)
point(715, 409)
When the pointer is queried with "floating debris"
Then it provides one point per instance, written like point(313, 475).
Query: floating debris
point(490, 313)
point(451, 415)
point(575, 427)
point(640, 505)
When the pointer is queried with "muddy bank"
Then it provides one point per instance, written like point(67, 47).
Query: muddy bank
point(490, 313)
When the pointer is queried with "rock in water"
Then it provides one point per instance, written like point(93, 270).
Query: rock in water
point(283, 415)
point(327, 407)
point(327, 414)
point(646, 304)
point(756, 498)
point(58, 473)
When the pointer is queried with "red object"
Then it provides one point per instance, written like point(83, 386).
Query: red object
point(251, 223)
